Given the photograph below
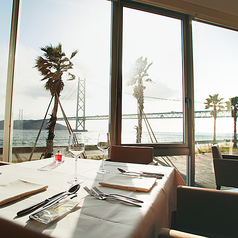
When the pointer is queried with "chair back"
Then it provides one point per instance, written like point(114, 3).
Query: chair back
point(207, 212)
point(225, 170)
point(4, 163)
point(216, 152)
point(11, 229)
point(132, 154)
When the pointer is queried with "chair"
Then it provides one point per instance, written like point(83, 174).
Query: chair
point(204, 212)
point(225, 168)
point(132, 154)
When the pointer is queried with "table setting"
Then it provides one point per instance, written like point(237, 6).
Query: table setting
point(133, 200)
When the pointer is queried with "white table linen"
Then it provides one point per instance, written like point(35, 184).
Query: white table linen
point(95, 218)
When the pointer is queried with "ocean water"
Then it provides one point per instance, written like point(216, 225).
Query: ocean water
point(28, 137)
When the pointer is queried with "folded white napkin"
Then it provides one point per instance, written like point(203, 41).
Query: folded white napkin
point(142, 184)
point(17, 189)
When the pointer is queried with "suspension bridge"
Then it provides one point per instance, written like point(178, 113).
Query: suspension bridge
point(81, 118)
point(160, 115)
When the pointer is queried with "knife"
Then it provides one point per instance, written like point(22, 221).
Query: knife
point(53, 203)
point(36, 206)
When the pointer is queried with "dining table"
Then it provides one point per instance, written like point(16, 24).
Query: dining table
point(93, 217)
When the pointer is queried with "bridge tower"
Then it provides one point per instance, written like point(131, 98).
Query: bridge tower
point(20, 116)
point(80, 108)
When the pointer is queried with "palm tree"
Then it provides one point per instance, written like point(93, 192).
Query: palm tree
point(234, 111)
point(216, 104)
point(138, 76)
point(52, 65)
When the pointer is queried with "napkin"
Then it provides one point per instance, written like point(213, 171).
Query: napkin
point(50, 166)
point(18, 189)
point(136, 183)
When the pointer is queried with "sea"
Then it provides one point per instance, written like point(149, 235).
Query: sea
point(28, 137)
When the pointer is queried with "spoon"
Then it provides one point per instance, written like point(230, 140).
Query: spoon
point(72, 190)
point(142, 174)
point(124, 171)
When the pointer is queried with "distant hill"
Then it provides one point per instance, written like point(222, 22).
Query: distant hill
point(31, 125)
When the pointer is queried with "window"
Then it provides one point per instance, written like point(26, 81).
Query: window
point(152, 96)
point(215, 73)
point(157, 38)
point(77, 25)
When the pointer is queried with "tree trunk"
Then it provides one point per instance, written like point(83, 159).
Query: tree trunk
point(51, 129)
point(214, 131)
point(140, 108)
point(139, 125)
point(49, 148)
point(235, 138)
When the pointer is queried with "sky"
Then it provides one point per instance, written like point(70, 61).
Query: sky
point(85, 25)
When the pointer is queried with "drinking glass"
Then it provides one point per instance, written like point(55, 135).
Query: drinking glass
point(76, 148)
point(103, 145)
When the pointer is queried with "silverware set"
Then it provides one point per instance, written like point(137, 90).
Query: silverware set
point(71, 193)
point(98, 194)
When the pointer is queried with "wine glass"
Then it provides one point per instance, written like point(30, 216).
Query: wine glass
point(76, 148)
point(103, 145)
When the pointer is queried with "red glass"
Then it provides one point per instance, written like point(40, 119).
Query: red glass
point(58, 157)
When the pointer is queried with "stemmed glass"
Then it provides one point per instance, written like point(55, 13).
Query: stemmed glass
point(103, 145)
point(76, 148)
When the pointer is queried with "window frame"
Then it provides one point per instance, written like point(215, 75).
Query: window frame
point(116, 79)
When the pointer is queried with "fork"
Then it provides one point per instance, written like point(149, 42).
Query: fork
point(100, 192)
point(92, 193)
point(101, 197)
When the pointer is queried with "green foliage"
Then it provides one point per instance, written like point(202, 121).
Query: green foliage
point(215, 103)
point(139, 75)
point(139, 71)
point(234, 106)
point(52, 65)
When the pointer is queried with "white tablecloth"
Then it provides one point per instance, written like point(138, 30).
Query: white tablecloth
point(95, 218)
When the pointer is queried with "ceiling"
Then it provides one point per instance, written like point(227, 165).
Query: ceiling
point(221, 12)
point(227, 6)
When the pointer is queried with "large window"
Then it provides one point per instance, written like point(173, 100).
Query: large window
point(77, 25)
point(215, 79)
point(153, 93)
point(152, 96)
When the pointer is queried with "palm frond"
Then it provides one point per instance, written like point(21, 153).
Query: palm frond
point(73, 54)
